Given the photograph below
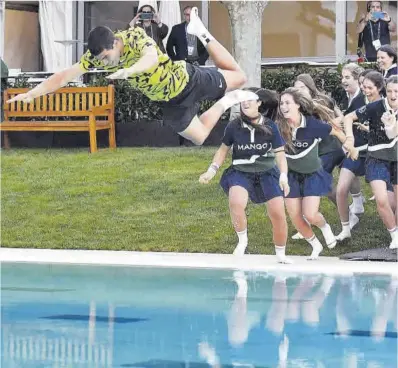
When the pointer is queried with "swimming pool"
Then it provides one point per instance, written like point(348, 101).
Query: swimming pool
point(117, 316)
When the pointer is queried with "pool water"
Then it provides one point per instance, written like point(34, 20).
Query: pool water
point(91, 316)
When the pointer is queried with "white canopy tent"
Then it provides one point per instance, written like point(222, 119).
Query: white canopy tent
point(170, 14)
point(55, 25)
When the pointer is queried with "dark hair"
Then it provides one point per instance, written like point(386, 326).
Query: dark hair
point(365, 72)
point(391, 52)
point(392, 79)
point(99, 39)
point(144, 6)
point(368, 5)
point(187, 7)
point(377, 79)
point(268, 108)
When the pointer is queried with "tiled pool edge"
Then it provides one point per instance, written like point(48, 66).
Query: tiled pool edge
point(263, 263)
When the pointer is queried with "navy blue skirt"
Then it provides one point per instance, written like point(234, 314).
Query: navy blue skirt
point(357, 167)
point(317, 184)
point(381, 170)
point(332, 159)
point(262, 186)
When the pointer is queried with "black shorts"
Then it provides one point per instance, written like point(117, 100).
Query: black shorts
point(205, 83)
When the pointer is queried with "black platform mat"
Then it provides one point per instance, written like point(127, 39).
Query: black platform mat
point(379, 254)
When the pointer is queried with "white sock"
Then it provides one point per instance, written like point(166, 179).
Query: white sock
point(280, 254)
point(394, 233)
point(357, 199)
point(328, 235)
point(197, 28)
point(394, 238)
point(346, 231)
point(353, 219)
point(316, 247)
point(242, 236)
point(242, 243)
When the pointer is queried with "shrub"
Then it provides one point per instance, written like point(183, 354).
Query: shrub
point(132, 106)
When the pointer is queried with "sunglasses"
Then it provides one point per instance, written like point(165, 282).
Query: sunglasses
point(146, 12)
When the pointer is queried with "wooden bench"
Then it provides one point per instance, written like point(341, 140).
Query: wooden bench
point(86, 109)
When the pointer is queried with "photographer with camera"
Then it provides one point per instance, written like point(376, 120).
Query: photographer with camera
point(374, 29)
point(149, 20)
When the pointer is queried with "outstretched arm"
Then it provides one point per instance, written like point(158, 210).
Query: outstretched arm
point(51, 84)
point(147, 61)
point(218, 160)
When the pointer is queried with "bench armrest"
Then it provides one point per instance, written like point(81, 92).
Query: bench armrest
point(101, 109)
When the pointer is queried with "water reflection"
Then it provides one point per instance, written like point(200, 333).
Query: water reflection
point(238, 319)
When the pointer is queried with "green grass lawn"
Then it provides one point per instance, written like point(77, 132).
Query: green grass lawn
point(145, 199)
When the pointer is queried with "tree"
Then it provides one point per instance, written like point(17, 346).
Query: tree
point(246, 18)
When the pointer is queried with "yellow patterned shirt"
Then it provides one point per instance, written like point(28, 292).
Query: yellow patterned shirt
point(164, 81)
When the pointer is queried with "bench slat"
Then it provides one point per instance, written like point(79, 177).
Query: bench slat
point(69, 102)
point(52, 113)
point(46, 126)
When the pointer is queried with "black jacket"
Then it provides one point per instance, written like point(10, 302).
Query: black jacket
point(177, 46)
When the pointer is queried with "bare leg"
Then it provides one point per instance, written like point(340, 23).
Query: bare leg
point(238, 198)
point(310, 208)
point(200, 127)
point(276, 213)
point(347, 220)
point(294, 209)
point(379, 188)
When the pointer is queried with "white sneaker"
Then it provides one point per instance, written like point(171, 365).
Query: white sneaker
point(353, 219)
point(284, 260)
point(359, 208)
point(237, 96)
point(394, 243)
point(329, 237)
point(345, 234)
point(240, 249)
point(316, 251)
point(297, 236)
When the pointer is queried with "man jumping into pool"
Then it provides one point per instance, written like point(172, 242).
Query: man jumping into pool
point(177, 85)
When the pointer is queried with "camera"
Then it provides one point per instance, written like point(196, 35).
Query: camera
point(146, 16)
point(378, 15)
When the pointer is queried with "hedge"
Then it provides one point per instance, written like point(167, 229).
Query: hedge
point(132, 106)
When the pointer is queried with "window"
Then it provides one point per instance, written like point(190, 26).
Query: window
point(289, 28)
point(22, 52)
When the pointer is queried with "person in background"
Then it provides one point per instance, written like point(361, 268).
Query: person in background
point(183, 46)
point(355, 99)
point(149, 20)
point(387, 61)
point(374, 29)
point(362, 78)
point(330, 149)
point(381, 164)
point(373, 87)
point(300, 127)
